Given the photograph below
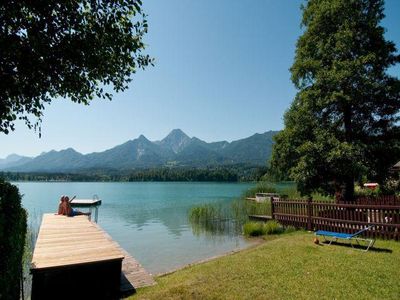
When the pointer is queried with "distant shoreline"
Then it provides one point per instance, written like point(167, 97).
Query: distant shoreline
point(188, 174)
point(120, 181)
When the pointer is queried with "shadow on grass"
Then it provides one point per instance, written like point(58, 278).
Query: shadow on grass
point(359, 247)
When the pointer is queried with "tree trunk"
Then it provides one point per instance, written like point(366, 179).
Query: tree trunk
point(348, 192)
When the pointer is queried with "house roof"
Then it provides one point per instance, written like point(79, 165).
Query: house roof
point(396, 166)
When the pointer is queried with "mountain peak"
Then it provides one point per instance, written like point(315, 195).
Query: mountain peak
point(142, 138)
point(13, 157)
point(177, 132)
point(176, 140)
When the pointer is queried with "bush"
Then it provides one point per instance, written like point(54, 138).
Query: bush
point(12, 240)
point(360, 191)
point(273, 227)
point(253, 229)
point(258, 228)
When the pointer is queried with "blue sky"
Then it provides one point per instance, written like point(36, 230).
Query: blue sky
point(221, 73)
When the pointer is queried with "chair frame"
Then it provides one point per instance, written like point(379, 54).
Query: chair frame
point(348, 237)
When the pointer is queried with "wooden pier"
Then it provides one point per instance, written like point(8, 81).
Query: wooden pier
point(264, 218)
point(74, 258)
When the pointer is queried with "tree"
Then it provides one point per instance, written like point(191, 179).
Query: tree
point(344, 121)
point(77, 49)
point(12, 240)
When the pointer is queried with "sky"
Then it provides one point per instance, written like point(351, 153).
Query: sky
point(221, 73)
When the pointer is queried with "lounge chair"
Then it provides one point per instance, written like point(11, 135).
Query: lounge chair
point(346, 236)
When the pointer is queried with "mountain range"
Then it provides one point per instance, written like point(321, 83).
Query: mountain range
point(176, 150)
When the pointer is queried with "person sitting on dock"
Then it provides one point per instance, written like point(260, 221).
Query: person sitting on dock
point(66, 209)
point(61, 206)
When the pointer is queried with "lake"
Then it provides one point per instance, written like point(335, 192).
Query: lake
point(148, 219)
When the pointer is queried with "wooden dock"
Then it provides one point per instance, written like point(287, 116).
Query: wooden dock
point(74, 252)
point(264, 218)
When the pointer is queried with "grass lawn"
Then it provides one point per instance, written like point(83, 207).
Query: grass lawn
point(288, 266)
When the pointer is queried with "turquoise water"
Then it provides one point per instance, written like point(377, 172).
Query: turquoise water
point(148, 219)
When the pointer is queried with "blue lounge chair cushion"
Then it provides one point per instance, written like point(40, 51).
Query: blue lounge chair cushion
point(335, 234)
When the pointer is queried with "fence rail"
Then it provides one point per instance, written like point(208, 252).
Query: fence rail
point(340, 217)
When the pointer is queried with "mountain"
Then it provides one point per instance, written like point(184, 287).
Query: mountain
point(176, 149)
point(252, 150)
point(52, 161)
point(13, 160)
point(135, 153)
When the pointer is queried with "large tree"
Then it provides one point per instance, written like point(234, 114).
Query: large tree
point(76, 49)
point(344, 121)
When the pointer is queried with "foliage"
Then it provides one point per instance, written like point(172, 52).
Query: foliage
point(260, 187)
point(273, 227)
point(344, 121)
point(12, 240)
point(366, 192)
point(253, 229)
point(288, 266)
point(260, 228)
point(218, 174)
point(74, 49)
point(292, 193)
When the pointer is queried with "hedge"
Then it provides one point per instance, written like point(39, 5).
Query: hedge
point(12, 240)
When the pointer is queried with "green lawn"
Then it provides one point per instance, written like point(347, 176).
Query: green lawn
point(288, 266)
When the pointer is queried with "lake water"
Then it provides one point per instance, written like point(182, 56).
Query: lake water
point(148, 219)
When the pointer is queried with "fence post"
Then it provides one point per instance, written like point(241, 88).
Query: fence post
point(309, 213)
point(272, 208)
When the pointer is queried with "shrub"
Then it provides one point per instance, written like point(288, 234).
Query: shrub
point(360, 191)
point(12, 240)
point(258, 228)
point(273, 227)
point(253, 229)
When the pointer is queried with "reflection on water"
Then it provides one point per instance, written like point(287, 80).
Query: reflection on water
point(149, 220)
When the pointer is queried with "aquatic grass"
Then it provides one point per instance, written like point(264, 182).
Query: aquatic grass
point(30, 241)
point(212, 219)
point(241, 209)
point(287, 266)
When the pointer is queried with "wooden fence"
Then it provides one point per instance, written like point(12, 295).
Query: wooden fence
point(339, 217)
